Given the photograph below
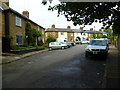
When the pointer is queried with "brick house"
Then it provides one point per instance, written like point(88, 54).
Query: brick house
point(65, 33)
point(14, 24)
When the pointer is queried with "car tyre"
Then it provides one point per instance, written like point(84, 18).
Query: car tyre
point(86, 55)
point(62, 47)
point(50, 49)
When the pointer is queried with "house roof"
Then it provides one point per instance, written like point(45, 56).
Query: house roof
point(5, 8)
point(73, 30)
point(58, 30)
point(62, 30)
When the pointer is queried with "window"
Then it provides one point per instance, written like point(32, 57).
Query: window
point(38, 28)
point(84, 34)
point(62, 33)
point(18, 21)
point(71, 34)
point(18, 39)
point(42, 32)
point(53, 33)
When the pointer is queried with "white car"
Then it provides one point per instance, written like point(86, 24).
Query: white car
point(85, 42)
point(57, 45)
point(97, 46)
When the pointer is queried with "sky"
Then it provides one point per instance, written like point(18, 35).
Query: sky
point(39, 13)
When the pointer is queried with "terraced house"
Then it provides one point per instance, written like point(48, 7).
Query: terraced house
point(14, 27)
point(66, 33)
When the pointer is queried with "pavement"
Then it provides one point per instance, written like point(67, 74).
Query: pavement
point(112, 75)
point(112, 71)
point(10, 57)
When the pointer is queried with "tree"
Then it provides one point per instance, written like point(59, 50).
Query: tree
point(85, 13)
point(50, 39)
point(31, 35)
point(110, 33)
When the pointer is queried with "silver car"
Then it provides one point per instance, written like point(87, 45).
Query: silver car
point(97, 46)
point(57, 45)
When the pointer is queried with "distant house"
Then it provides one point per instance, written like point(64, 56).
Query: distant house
point(66, 33)
point(63, 33)
point(80, 35)
point(14, 25)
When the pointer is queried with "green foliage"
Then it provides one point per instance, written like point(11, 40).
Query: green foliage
point(40, 43)
point(110, 34)
point(85, 13)
point(15, 47)
point(50, 39)
point(104, 36)
point(31, 34)
point(9, 37)
point(94, 35)
point(40, 47)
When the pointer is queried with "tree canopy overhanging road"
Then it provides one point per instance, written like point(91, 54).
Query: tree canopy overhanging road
point(85, 13)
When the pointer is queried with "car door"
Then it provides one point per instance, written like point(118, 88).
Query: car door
point(53, 45)
point(58, 45)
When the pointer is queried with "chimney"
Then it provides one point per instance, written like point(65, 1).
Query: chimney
point(5, 2)
point(53, 26)
point(68, 27)
point(81, 28)
point(26, 14)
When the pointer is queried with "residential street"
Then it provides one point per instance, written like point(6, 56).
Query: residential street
point(87, 35)
point(55, 69)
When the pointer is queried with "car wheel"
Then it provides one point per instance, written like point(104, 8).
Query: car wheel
point(62, 47)
point(86, 54)
point(50, 48)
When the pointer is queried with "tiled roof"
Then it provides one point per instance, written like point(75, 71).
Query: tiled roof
point(62, 30)
point(73, 30)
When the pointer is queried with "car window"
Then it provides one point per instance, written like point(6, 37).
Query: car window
point(57, 43)
point(98, 42)
point(52, 43)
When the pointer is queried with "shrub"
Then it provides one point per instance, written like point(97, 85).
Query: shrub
point(40, 47)
point(40, 43)
point(14, 47)
point(50, 39)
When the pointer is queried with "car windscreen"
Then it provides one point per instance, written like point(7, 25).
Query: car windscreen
point(98, 42)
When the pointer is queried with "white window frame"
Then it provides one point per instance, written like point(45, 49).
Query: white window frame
point(18, 21)
point(38, 28)
point(53, 33)
point(42, 32)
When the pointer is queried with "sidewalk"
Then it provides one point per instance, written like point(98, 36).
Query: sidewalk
point(8, 57)
point(112, 72)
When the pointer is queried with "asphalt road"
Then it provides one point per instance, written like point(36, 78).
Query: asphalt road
point(66, 68)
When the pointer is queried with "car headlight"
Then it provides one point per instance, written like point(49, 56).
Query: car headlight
point(87, 49)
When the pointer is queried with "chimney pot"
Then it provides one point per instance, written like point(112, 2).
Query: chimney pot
point(53, 26)
point(26, 14)
point(68, 27)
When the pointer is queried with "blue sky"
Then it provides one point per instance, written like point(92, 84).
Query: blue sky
point(39, 13)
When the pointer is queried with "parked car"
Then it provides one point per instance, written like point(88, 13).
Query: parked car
point(72, 43)
point(57, 45)
point(97, 46)
point(68, 44)
point(85, 41)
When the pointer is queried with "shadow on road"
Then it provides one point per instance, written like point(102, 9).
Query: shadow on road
point(97, 58)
